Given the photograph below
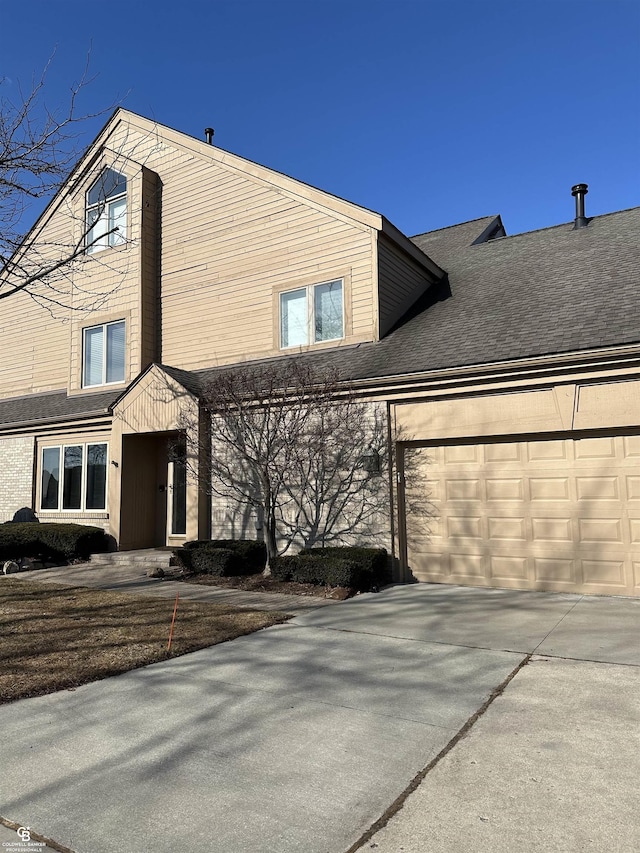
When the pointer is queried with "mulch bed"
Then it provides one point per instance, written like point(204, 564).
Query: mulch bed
point(260, 583)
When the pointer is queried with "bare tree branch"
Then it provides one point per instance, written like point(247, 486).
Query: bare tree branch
point(292, 443)
point(38, 149)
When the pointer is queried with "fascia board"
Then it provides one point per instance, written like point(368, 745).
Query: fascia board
point(556, 364)
point(401, 240)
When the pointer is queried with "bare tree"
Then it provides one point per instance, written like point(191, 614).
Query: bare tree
point(296, 449)
point(38, 148)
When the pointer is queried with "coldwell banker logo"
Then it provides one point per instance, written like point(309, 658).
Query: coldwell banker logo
point(25, 843)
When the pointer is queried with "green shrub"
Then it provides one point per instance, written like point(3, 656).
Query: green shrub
point(253, 554)
point(215, 561)
point(50, 541)
point(204, 556)
point(373, 562)
point(331, 571)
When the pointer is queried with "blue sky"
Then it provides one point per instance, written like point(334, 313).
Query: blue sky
point(431, 112)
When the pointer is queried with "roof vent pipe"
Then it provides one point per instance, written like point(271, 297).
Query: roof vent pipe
point(580, 191)
point(208, 135)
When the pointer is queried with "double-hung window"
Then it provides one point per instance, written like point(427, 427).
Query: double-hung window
point(107, 211)
point(103, 354)
point(312, 314)
point(74, 477)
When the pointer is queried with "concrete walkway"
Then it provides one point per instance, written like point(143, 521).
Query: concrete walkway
point(307, 737)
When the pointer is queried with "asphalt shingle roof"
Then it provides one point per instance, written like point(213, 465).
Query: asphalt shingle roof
point(53, 405)
point(550, 291)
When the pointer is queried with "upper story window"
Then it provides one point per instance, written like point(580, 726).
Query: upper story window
point(103, 354)
point(310, 315)
point(107, 211)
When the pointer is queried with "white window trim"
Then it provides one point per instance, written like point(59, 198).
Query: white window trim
point(83, 503)
point(103, 378)
point(311, 313)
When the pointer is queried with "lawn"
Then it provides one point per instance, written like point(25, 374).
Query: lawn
point(58, 637)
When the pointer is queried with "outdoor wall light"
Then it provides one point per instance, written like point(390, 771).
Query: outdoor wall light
point(371, 461)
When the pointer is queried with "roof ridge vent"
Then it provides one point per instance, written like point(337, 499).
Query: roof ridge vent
point(579, 191)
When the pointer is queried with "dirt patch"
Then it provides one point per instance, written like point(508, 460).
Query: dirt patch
point(58, 637)
point(260, 583)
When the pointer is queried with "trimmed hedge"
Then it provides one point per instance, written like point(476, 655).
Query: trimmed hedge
point(332, 571)
point(373, 562)
point(50, 541)
point(357, 568)
point(223, 557)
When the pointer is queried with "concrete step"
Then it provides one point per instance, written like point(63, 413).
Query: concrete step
point(145, 556)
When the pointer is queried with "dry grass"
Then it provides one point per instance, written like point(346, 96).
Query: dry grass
point(55, 637)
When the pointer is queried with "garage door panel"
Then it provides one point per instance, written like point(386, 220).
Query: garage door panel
point(503, 452)
point(464, 527)
point(604, 573)
point(631, 445)
point(509, 568)
point(552, 530)
point(510, 529)
point(561, 514)
point(549, 488)
point(456, 454)
point(463, 566)
point(633, 488)
point(547, 450)
point(596, 530)
point(505, 489)
point(602, 488)
point(462, 489)
point(554, 570)
point(595, 448)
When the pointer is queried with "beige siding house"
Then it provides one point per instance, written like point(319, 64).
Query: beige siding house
point(508, 367)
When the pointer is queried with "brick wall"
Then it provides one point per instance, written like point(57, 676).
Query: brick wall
point(16, 479)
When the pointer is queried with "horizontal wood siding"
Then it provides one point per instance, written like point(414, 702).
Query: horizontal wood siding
point(401, 282)
point(196, 280)
point(228, 243)
point(34, 337)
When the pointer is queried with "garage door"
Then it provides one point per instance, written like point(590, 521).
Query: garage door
point(561, 514)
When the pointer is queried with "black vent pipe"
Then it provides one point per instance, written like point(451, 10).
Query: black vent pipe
point(208, 134)
point(580, 191)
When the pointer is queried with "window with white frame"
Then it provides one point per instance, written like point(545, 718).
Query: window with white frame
point(107, 211)
point(103, 354)
point(74, 477)
point(312, 314)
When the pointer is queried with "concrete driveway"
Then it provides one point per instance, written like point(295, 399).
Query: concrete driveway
point(311, 736)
